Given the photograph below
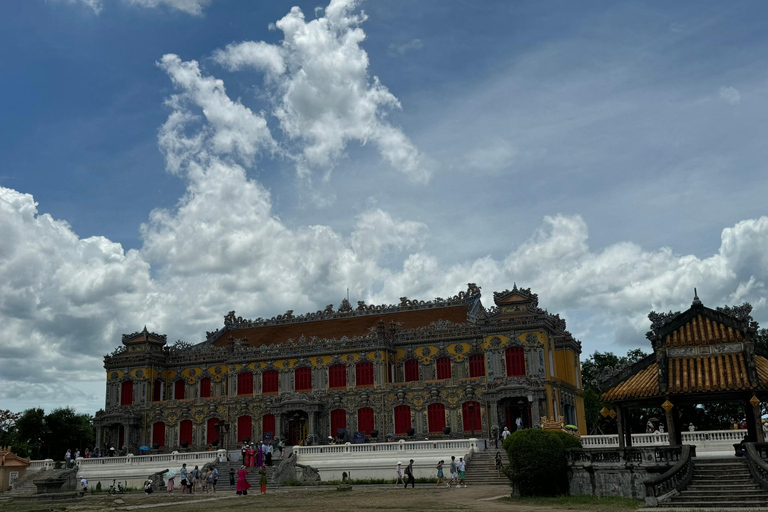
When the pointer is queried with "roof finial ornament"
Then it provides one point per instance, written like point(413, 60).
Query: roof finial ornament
point(145, 331)
point(696, 300)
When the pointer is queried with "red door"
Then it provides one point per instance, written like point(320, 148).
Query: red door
point(212, 434)
point(158, 433)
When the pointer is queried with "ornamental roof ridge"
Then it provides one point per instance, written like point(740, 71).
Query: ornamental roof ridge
point(231, 321)
point(523, 292)
point(144, 334)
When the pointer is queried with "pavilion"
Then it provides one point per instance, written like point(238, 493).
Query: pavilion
point(699, 356)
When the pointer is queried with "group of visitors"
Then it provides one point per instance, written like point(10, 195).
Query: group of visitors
point(457, 471)
point(257, 455)
point(242, 480)
point(190, 481)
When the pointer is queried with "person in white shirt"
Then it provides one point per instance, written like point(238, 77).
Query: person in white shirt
point(462, 467)
point(519, 423)
point(84, 484)
point(505, 433)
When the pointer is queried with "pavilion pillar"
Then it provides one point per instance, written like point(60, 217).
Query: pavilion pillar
point(620, 427)
point(673, 426)
point(627, 421)
point(754, 423)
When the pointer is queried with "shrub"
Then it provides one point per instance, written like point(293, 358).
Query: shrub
point(568, 440)
point(537, 462)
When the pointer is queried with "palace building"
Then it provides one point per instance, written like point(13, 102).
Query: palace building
point(438, 369)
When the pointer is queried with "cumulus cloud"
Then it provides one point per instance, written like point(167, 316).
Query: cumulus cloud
point(321, 93)
point(730, 95)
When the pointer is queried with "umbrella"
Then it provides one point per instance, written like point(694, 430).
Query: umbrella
point(653, 419)
point(170, 474)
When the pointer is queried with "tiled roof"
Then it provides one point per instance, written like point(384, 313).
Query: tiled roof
point(694, 374)
point(701, 331)
point(350, 326)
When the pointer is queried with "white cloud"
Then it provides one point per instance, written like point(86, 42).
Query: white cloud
point(95, 5)
point(321, 92)
point(189, 6)
point(403, 48)
point(730, 95)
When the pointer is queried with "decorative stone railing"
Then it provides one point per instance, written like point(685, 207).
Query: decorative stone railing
point(648, 456)
point(135, 460)
point(670, 483)
point(464, 445)
point(42, 464)
point(707, 441)
point(756, 454)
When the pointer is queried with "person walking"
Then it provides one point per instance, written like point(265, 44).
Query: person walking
point(231, 478)
point(183, 474)
point(263, 479)
point(67, 458)
point(519, 423)
point(440, 473)
point(171, 476)
point(280, 446)
point(399, 471)
point(409, 473)
point(462, 467)
point(498, 463)
point(195, 480)
point(242, 482)
point(505, 434)
point(454, 472)
point(268, 455)
point(213, 478)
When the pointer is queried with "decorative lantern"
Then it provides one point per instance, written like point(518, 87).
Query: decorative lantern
point(667, 405)
point(754, 401)
point(604, 411)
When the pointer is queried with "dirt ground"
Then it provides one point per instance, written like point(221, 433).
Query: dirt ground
point(319, 499)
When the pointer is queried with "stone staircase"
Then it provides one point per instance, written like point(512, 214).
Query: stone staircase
point(481, 469)
point(252, 476)
point(25, 485)
point(721, 483)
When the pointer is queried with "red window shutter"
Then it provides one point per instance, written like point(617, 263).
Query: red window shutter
point(269, 381)
point(338, 420)
point(365, 420)
point(444, 368)
point(337, 376)
point(411, 370)
point(268, 424)
point(185, 432)
point(211, 433)
point(126, 393)
point(515, 357)
point(436, 416)
point(471, 415)
point(205, 388)
point(303, 379)
point(402, 419)
point(245, 384)
point(178, 389)
point(244, 424)
point(477, 365)
point(157, 391)
point(364, 373)
point(158, 433)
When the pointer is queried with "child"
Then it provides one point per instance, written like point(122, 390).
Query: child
point(439, 473)
point(263, 479)
point(399, 473)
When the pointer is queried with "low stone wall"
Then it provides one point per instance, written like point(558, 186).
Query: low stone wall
point(617, 472)
point(708, 443)
point(379, 460)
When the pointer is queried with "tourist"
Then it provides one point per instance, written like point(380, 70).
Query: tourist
point(251, 456)
point(519, 423)
point(84, 484)
point(263, 479)
point(231, 478)
point(67, 458)
point(213, 478)
point(259, 456)
point(399, 473)
point(170, 475)
point(498, 462)
point(409, 474)
point(454, 472)
point(439, 473)
point(87, 453)
point(242, 482)
point(280, 446)
point(691, 428)
point(148, 486)
point(111, 451)
point(462, 467)
point(183, 474)
point(505, 434)
point(268, 454)
point(244, 452)
point(195, 480)
point(95, 452)
point(204, 480)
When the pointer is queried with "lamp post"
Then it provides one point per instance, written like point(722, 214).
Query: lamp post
point(472, 417)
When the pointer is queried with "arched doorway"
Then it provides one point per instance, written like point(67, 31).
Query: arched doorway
point(298, 427)
point(512, 409)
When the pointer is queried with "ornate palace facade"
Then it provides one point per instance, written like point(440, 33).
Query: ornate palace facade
point(441, 368)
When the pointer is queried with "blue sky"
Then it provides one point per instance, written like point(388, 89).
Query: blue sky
point(188, 157)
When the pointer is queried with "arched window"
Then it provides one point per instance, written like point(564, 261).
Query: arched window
point(158, 433)
point(515, 357)
point(477, 365)
point(244, 424)
point(443, 368)
point(244, 384)
point(364, 374)
point(365, 420)
point(470, 412)
point(126, 393)
point(205, 387)
point(411, 370)
point(338, 421)
point(402, 419)
point(185, 432)
point(303, 379)
point(269, 382)
point(268, 424)
point(178, 389)
point(211, 432)
point(337, 376)
point(157, 390)
point(436, 417)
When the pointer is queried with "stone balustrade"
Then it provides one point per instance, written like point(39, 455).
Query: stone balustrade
point(707, 442)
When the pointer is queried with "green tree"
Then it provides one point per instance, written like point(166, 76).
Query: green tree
point(68, 430)
point(31, 434)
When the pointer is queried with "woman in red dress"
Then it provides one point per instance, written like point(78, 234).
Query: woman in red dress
point(242, 483)
point(251, 457)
